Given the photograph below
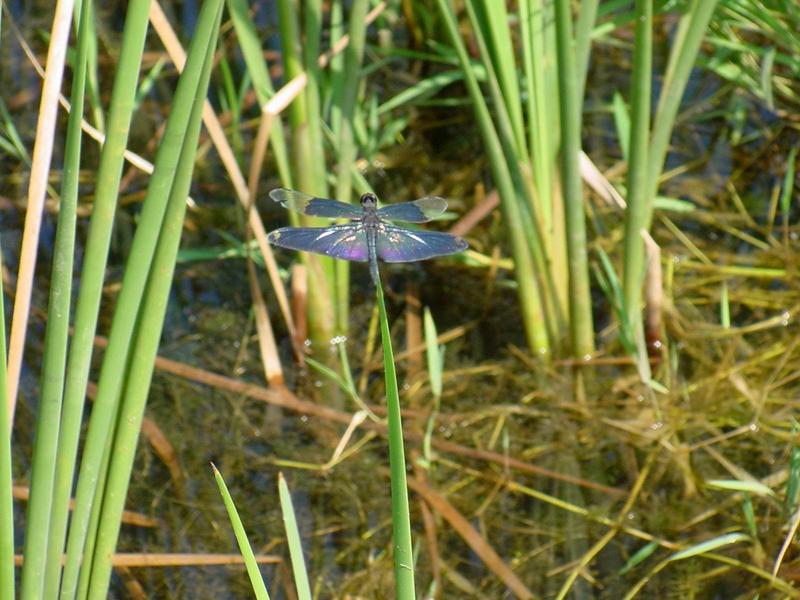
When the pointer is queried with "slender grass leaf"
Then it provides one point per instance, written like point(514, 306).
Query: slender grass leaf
point(293, 539)
point(401, 521)
point(710, 545)
point(793, 482)
point(256, 581)
point(6, 474)
point(766, 77)
point(434, 354)
point(752, 487)
point(724, 306)
point(787, 189)
point(622, 123)
point(641, 555)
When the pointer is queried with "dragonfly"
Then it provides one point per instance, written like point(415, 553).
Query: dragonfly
point(369, 235)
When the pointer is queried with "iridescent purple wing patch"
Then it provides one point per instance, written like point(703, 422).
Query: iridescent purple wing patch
point(347, 242)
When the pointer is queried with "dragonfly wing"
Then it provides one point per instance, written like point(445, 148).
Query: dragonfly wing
point(396, 244)
point(419, 211)
point(316, 207)
point(348, 242)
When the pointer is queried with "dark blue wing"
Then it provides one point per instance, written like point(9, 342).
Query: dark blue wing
point(396, 244)
point(347, 242)
point(418, 211)
point(316, 207)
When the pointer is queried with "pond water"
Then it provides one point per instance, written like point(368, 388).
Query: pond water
point(543, 460)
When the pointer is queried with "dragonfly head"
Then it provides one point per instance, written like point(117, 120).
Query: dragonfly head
point(369, 201)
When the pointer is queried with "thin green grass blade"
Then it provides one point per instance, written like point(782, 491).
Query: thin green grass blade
point(724, 306)
point(256, 581)
point(434, 354)
point(187, 110)
point(793, 482)
point(710, 545)
point(641, 555)
point(788, 184)
point(750, 516)
point(6, 475)
point(751, 487)
point(401, 520)
point(293, 540)
point(52, 474)
point(421, 90)
point(622, 124)
point(250, 45)
point(493, 20)
point(691, 31)
point(766, 77)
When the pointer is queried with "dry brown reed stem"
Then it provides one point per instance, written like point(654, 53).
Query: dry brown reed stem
point(270, 360)
point(476, 214)
point(37, 189)
point(299, 281)
point(134, 559)
point(22, 492)
point(653, 296)
point(471, 536)
point(413, 314)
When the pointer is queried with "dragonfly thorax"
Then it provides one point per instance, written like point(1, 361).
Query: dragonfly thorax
point(369, 201)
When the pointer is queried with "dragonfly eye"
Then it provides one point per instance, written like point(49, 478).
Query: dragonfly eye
point(369, 200)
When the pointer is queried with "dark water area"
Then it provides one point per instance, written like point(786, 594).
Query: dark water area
point(728, 414)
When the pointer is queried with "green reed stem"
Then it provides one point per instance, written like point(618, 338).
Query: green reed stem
point(6, 479)
point(581, 325)
point(587, 15)
point(52, 472)
point(691, 31)
point(638, 159)
point(345, 101)
point(528, 291)
point(180, 141)
point(96, 254)
point(307, 157)
point(401, 521)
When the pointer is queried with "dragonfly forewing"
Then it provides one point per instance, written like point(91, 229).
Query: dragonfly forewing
point(419, 211)
point(316, 207)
